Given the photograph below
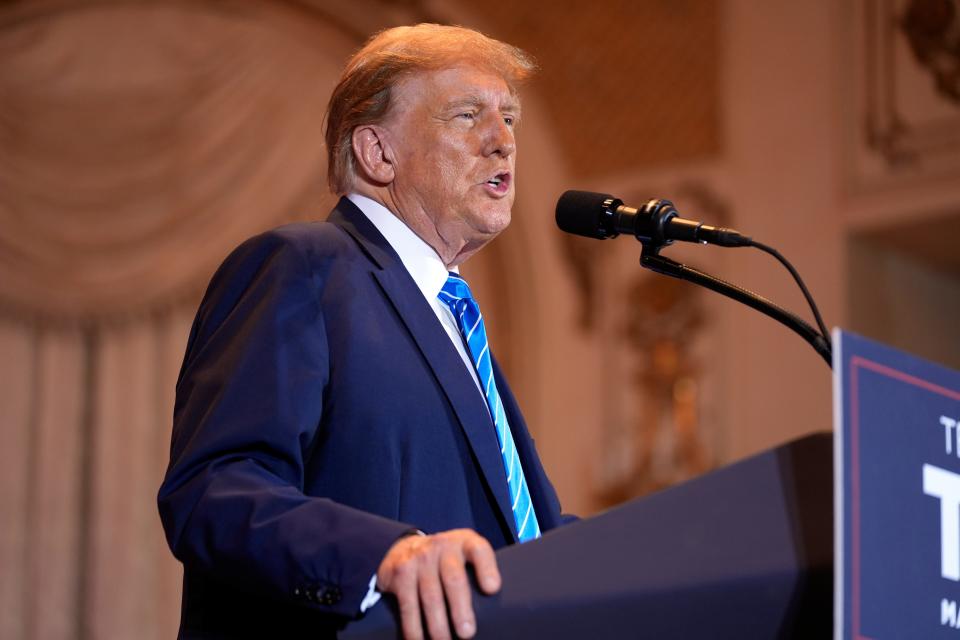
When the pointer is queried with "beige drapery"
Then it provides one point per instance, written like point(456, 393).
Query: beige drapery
point(139, 142)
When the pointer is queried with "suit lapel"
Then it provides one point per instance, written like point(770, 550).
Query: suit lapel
point(447, 366)
point(541, 491)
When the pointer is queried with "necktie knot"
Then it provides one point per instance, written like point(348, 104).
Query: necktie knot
point(456, 295)
point(456, 288)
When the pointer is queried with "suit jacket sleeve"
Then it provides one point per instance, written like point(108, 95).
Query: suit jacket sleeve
point(249, 403)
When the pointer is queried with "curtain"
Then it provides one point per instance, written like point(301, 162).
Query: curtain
point(139, 143)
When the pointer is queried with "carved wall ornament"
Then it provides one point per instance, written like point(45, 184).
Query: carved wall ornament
point(932, 28)
point(907, 83)
point(654, 427)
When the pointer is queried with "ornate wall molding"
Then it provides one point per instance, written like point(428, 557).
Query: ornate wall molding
point(932, 28)
point(905, 75)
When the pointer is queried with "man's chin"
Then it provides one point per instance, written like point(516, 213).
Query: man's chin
point(494, 229)
point(492, 221)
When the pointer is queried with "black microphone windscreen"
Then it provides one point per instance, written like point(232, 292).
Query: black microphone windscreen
point(580, 213)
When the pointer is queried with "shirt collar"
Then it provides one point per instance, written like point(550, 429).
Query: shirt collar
point(421, 261)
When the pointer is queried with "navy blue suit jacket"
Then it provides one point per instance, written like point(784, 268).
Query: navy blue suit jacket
point(321, 413)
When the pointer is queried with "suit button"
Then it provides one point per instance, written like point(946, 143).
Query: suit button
point(329, 596)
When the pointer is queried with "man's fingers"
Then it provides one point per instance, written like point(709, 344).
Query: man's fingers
point(457, 587)
point(403, 584)
point(432, 603)
point(479, 552)
point(427, 574)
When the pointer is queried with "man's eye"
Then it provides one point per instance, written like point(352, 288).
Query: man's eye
point(509, 120)
point(469, 115)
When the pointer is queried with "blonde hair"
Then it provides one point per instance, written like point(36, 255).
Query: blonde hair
point(362, 96)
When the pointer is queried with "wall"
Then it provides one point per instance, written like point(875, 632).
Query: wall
point(140, 141)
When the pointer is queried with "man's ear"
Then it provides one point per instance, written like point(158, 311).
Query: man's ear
point(372, 152)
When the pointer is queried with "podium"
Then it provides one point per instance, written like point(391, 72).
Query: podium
point(743, 552)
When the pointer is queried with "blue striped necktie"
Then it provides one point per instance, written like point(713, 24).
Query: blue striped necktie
point(456, 295)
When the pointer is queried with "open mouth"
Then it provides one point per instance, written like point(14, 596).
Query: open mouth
point(499, 183)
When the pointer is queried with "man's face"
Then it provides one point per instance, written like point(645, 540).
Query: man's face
point(451, 137)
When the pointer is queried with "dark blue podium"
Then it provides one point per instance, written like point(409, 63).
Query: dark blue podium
point(745, 552)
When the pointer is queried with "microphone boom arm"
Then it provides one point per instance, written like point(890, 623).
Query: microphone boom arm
point(650, 259)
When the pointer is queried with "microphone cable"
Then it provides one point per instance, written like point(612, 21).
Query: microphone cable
point(750, 242)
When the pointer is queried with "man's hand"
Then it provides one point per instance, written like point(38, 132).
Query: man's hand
point(428, 573)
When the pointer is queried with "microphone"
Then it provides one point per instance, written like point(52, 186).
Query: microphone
point(601, 216)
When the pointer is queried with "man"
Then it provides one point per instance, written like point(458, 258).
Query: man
point(338, 431)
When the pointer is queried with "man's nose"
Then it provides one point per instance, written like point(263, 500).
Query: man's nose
point(500, 139)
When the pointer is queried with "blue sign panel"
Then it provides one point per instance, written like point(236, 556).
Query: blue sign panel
point(897, 448)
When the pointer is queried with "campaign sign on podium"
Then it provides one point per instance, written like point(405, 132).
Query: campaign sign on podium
point(897, 450)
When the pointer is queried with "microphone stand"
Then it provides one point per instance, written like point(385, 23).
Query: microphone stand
point(650, 258)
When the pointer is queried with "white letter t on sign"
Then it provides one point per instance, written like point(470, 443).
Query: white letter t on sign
point(945, 485)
